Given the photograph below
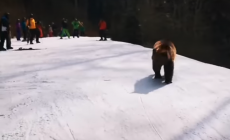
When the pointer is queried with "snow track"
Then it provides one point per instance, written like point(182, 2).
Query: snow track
point(83, 89)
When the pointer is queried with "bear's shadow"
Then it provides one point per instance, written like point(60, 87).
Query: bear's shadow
point(148, 84)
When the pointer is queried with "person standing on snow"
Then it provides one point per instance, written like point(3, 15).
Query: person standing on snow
point(24, 29)
point(18, 30)
point(65, 28)
point(31, 24)
point(39, 33)
point(76, 25)
point(5, 32)
point(102, 29)
point(82, 29)
point(50, 31)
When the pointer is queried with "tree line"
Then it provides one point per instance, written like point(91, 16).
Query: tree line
point(199, 28)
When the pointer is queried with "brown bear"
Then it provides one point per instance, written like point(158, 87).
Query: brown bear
point(164, 53)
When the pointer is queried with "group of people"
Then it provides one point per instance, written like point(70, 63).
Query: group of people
point(78, 28)
point(28, 27)
point(31, 29)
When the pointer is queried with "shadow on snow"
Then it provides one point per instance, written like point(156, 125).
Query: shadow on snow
point(148, 84)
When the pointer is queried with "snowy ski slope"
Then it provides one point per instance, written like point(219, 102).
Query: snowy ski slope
point(83, 89)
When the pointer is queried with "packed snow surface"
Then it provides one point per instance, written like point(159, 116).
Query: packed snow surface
point(84, 89)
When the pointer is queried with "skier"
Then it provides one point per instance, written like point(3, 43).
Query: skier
point(5, 32)
point(24, 29)
point(64, 28)
point(102, 29)
point(76, 25)
point(18, 30)
point(32, 28)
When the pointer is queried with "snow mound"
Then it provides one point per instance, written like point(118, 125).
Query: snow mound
point(84, 89)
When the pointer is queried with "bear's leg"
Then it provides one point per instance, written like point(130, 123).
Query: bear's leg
point(157, 70)
point(168, 69)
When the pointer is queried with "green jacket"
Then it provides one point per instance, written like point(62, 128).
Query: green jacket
point(75, 24)
point(82, 28)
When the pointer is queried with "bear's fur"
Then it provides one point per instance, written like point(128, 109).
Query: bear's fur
point(164, 53)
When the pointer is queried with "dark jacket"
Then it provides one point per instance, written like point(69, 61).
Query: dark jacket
point(64, 24)
point(23, 25)
point(4, 22)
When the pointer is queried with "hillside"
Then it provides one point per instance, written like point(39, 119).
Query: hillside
point(83, 89)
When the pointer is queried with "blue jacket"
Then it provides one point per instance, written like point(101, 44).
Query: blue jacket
point(23, 25)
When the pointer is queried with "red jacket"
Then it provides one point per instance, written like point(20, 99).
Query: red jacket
point(40, 29)
point(102, 25)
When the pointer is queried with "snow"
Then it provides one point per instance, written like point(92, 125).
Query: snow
point(83, 89)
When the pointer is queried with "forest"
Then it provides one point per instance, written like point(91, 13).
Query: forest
point(199, 28)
